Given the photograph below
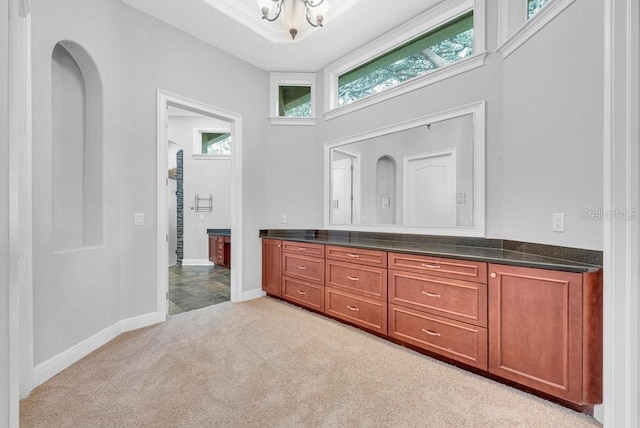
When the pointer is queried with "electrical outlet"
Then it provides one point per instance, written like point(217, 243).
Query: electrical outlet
point(283, 218)
point(138, 219)
point(558, 222)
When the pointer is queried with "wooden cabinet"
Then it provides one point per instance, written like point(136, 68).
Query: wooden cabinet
point(356, 287)
point(303, 274)
point(545, 331)
point(220, 250)
point(541, 329)
point(432, 308)
point(271, 266)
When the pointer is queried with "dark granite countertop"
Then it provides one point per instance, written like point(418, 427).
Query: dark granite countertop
point(219, 232)
point(479, 249)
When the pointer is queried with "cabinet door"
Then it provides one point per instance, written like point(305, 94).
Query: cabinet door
point(535, 329)
point(212, 248)
point(271, 266)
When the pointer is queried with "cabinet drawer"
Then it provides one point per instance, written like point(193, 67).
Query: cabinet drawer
point(356, 255)
point(450, 268)
point(303, 293)
point(459, 341)
point(366, 313)
point(363, 280)
point(461, 300)
point(303, 248)
point(302, 267)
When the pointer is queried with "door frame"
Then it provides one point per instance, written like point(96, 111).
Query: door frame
point(356, 180)
point(166, 99)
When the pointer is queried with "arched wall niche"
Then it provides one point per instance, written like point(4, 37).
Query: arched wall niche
point(386, 193)
point(77, 149)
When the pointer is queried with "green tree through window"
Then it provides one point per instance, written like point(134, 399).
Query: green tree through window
point(534, 7)
point(445, 45)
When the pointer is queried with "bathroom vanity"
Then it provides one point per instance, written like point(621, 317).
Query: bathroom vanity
point(220, 247)
point(528, 315)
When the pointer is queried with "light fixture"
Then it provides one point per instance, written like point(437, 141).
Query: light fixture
point(295, 12)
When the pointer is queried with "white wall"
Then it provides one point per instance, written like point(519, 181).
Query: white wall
point(78, 294)
point(201, 176)
point(5, 398)
point(543, 127)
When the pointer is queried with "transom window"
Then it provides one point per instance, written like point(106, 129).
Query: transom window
point(437, 48)
point(214, 143)
point(294, 101)
point(534, 6)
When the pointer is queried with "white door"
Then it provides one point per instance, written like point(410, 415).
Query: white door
point(172, 217)
point(342, 191)
point(430, 190)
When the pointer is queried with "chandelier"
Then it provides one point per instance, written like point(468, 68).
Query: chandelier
point(294, 12)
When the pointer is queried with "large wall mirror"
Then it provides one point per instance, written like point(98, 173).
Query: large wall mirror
point(424, 176)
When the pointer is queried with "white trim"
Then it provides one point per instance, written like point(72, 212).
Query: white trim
point(429, 20)
point(291, 79)
point(196, 262)
point(293, 121)
point(478, 111)
point(621, 235)
point(252, 294)
point(46, 370)
point(530, 27)
point(211, 157)
point(163, 100)
point(20, 291)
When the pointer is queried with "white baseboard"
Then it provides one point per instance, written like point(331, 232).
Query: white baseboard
point(196, 262)
point(48, 369)
point(252, 294)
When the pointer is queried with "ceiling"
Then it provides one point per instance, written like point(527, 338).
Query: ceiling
point(235, 26)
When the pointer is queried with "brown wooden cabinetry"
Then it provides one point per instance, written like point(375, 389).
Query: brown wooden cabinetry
point(272, 266)
point(541, 329)
point(432, 308)
point(303, 274)
point(220, 250)
point(356, 287)
point(545, 331)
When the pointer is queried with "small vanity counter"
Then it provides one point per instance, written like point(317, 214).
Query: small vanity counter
point(220, 247)
point(526, 314)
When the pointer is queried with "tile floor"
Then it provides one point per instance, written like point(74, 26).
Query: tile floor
point(194, 287)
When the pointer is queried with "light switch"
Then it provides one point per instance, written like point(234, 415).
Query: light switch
point(138, 219)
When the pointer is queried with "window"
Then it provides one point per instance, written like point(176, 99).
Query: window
point(522, 19)
point(438, 48)
point(534, 6)
point(446, 40)
point(292, 99)
point(212, 143)
point(215, 143)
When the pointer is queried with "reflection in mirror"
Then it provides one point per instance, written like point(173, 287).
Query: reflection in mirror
point(423, 174)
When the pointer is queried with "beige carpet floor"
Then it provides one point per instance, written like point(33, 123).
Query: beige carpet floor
point(265, 363)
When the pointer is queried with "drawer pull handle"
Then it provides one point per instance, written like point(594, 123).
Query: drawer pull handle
point(426, 293)
point(302, 267)
point(431, 333)
point(430, 266)
point(302, 249)
point(353, 278)
point(353, 308)
point(301, 292)
point(355, 256)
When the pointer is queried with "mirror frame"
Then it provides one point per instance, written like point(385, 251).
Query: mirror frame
point(477, 230)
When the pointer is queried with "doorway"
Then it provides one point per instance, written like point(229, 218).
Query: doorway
point(345, 187)
point(233, 122)
point(199, 196)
